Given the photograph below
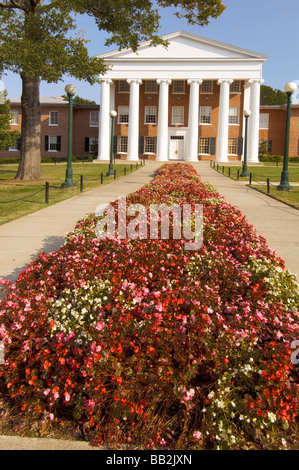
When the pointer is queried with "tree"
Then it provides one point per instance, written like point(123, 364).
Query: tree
point(35, 43)
point(8, 137)
point(272, 96)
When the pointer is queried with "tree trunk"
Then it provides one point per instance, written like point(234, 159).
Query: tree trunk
point(30, 159)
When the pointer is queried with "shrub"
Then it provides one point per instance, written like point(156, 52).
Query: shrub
point(271, 158)
point(145, 344)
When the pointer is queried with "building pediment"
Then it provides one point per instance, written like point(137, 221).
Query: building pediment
point(184, 46)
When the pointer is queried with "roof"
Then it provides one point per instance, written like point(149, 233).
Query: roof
point(53, 100)
point(43, 100)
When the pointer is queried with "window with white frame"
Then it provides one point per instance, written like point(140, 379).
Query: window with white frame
point(53, 118)
point(178, 86)
point(205, 115)
point(204, 145)
point(150, 115)
point(235, 87)
point(177, 115)
point(206, 87)
point(150, 86)
point(149, 144)
point(94, 119)
point(54, 145)
point(123, 114)
point(233, 116)
point(14, 118)
point(123, 86)
point(264, 121)
point(122, 144)
point(232, 146)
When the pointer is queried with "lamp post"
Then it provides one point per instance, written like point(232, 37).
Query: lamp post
point(284, 185)
point(70, 90)
point(246, 114)
point(113, 115)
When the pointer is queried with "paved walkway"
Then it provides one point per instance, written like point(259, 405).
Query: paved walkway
point(22, 239)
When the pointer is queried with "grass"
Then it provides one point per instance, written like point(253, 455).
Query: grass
point(288, 197)
point(29, 196)
point(260, 175)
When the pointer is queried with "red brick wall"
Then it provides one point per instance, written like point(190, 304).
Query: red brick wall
point(294, 132)
point(276, 130)
point(60, 130)
point(82, 128)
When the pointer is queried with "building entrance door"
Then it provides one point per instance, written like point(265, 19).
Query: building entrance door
point(176, 147)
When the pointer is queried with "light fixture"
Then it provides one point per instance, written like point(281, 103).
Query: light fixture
point(70, 89)
point(290, 87)
point(284, 185)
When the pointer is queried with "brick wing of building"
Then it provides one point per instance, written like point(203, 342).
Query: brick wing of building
point(54, 128)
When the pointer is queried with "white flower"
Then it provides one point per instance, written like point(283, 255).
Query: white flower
point(272, 417)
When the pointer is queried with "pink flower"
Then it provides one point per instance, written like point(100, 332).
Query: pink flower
point(197, 435)
point(99, 326)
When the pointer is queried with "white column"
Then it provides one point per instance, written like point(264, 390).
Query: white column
point(222, 134)
point(254, 120)
point(104, 118)
point(162, 140)
point(133, 131)
point(193, 121)
point(246, 105)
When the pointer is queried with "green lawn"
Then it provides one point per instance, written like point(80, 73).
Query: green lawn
point(21, 198)
point(261, 173)
point(259, 180)
point(289, 197)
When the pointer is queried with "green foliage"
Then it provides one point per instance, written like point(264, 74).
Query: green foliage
point(270, 158)
point(263, 147)
point(7, 137)
point(272, 96)
point(35, 42)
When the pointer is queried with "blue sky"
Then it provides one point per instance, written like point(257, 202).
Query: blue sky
point(266, 26)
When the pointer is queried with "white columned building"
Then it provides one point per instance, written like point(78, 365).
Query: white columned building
point(183, 102)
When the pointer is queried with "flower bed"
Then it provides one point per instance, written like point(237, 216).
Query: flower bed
point(144, 343)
